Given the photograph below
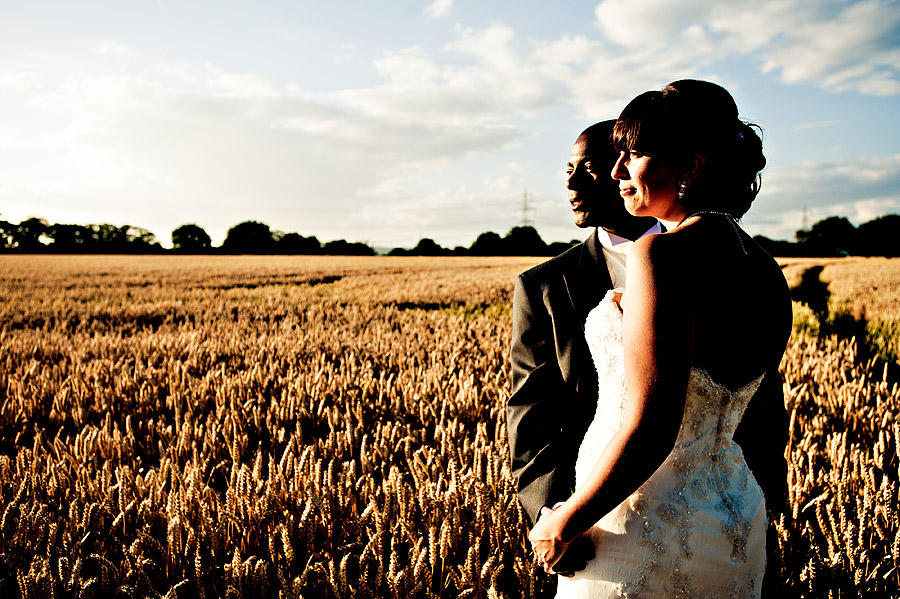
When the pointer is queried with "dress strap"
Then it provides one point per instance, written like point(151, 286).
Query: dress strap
point(731, 219)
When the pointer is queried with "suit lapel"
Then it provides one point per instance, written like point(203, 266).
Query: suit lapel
point(587, 280)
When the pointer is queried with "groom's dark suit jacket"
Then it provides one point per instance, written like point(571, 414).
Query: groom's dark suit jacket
point(554, 382)
point(554, 385)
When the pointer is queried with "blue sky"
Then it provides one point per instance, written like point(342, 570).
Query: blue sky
point(388, 122)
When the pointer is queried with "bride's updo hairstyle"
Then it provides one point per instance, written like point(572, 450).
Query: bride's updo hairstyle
point(697, 117)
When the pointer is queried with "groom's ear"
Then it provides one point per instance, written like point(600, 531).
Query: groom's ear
point(693, 166)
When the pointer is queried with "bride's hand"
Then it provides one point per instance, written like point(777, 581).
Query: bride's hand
point(546, 538)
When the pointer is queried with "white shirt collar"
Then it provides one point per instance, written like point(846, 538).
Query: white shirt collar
point(615, 243)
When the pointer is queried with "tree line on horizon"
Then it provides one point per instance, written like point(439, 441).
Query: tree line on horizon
point(833, 236)
point(836, 236)
point(36, 235)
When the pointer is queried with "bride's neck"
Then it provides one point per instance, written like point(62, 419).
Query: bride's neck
point(670, 225)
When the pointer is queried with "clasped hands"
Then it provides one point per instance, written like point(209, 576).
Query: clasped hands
point(556, 555)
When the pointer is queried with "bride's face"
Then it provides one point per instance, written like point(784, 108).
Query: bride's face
point(648, 185)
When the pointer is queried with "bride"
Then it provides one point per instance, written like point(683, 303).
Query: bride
point(663, 492)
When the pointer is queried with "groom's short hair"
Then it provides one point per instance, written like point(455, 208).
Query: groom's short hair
point(602, 131)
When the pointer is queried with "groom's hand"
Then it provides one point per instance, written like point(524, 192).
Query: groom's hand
point(577, 555)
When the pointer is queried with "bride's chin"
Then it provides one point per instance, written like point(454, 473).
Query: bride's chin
point(632, 208)
point(639, 211)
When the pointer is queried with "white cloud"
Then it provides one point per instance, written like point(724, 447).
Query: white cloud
point(853, 49)
point(866, 210)
point(347, 53)
point(180, 72)
point(860, 190)
point(439, 8)
point(492, 46)
point(639, 24)
point(20, 82)
point(114, 49)
point(240, 85)
point(491, 79)
point(498, 185)
point(835, 45)
point(408, 67)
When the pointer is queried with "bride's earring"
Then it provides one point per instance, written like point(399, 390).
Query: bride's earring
point(682, 186)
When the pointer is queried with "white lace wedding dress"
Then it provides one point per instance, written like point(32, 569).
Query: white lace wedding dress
point(696, 528)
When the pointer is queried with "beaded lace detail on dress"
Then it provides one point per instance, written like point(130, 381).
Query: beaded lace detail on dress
point(696, 528)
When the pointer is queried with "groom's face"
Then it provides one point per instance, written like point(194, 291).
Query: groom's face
point(593, 193)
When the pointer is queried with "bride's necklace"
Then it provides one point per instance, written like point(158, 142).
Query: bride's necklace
point(731, 219)
point(699, 212)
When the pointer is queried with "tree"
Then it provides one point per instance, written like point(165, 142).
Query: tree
point(487, 244)
point(779, 248)
point(110, 238)
point(191, 238)
point(249, 237)
point(524, 241)
point(834, 236)
point(126, 239)
point(428, 247)
point(558, 247)
point(6, 238)
point(140, 241)
point(26, 236)
point(294, 243)
point(879, 237)
point(341, 247)
point(71, 238)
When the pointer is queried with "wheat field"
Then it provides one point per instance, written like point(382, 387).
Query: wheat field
point(334, 427)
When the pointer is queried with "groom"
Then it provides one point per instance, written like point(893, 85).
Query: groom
point(554, 381)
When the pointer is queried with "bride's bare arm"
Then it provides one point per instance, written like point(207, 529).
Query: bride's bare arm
point(658, 343)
